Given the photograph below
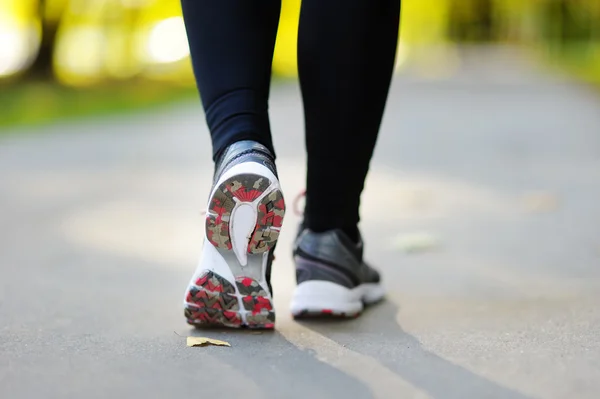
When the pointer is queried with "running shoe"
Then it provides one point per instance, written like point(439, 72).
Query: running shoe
point(333, 280)
point(231, 286)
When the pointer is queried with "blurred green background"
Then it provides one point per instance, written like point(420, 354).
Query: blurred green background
point(72, 58)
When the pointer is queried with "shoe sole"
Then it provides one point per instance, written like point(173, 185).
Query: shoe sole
point(325, 299)
point(244, 218)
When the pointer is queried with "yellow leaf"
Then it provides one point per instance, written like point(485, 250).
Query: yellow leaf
point(202, 341)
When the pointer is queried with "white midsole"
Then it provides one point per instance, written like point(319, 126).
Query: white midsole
point(319, 296)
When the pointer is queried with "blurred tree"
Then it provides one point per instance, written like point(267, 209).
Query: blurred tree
point(472, 21)
point(131, 34)
point(49, 15)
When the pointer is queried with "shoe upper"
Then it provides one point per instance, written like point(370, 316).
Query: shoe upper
point(331, 256)
point(244, 151)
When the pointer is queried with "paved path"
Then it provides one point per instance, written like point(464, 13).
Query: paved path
point(100, 230)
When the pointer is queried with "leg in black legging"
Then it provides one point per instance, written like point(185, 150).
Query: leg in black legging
point(346, 53)
point(231, 44)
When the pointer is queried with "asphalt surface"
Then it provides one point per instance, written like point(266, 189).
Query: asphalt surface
point(498, 162)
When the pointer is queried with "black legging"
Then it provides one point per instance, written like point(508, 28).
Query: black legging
point(346, 52)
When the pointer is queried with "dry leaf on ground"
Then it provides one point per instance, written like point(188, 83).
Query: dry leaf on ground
point(203, 341)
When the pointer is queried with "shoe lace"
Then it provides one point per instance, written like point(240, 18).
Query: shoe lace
point(296, 204)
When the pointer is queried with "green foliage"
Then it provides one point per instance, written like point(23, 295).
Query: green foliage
point(41, 102)
point(565, 32)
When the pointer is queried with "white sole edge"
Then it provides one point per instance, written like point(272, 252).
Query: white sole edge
point(325, 297)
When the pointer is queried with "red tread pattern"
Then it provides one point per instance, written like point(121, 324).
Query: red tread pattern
point(213, 302)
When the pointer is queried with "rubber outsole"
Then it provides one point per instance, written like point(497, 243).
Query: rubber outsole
point(245, 189)
point(213, 300)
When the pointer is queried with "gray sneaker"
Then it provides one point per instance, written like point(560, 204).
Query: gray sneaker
point(333, 279)
point(231, 286)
